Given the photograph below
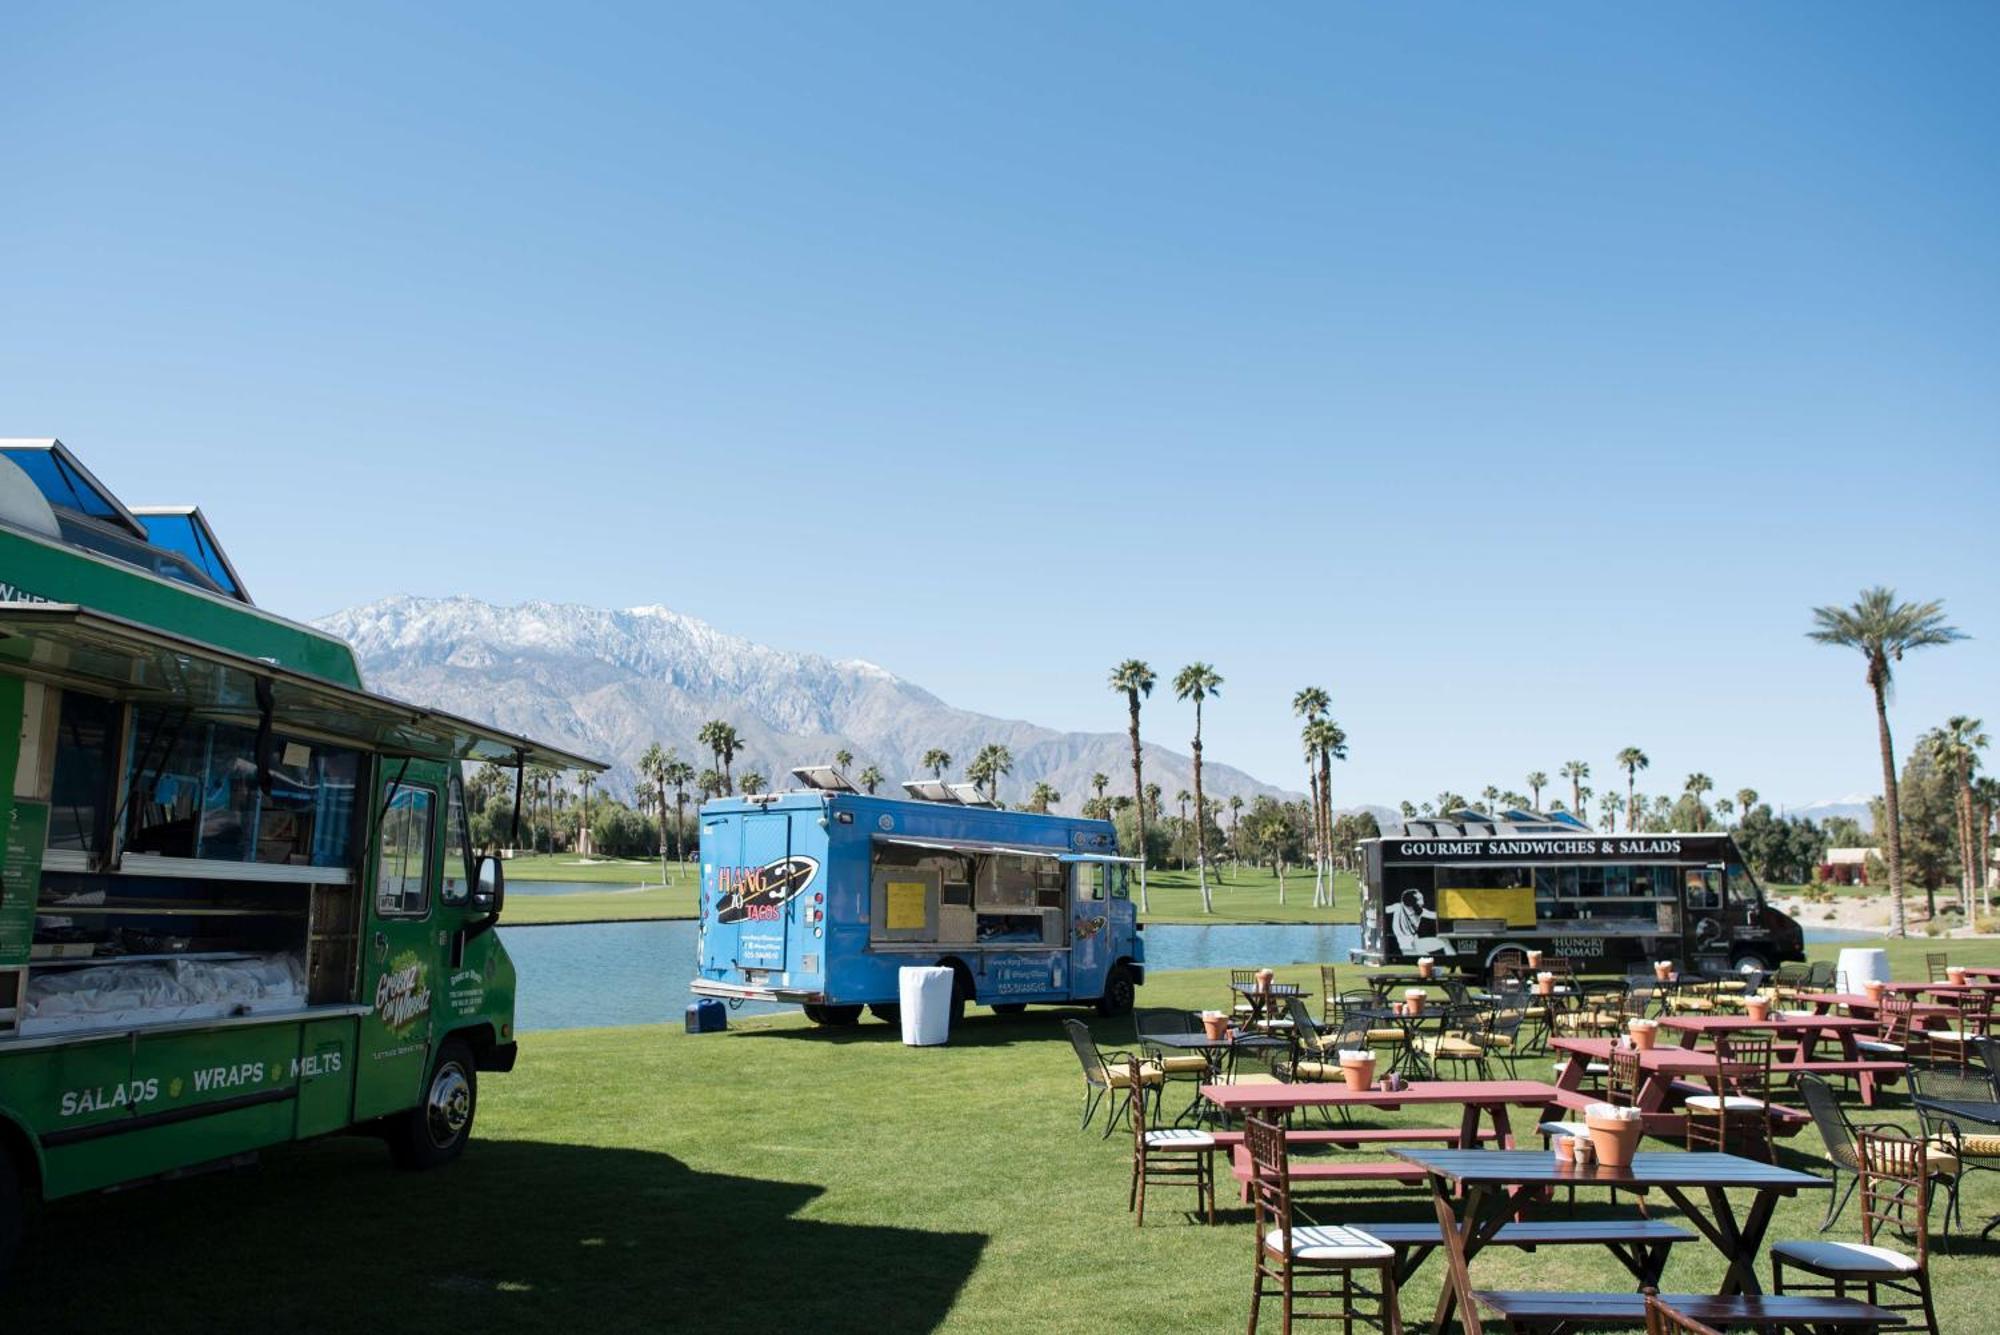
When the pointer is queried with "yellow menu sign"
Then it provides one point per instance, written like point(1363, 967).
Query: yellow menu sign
point(905, 905)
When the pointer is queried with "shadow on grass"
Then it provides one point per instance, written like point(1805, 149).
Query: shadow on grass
point(977, 1030)
point(517, 1235)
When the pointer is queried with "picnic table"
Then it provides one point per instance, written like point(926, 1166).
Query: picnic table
point(1261, 998)
point(1807, 1032)
point(1214, 1049)
point(1477, 1192)
point(1990, 972)
point(1863, 1005)
point(1661, 1069)
point(1480, 1101)
point(1943, 989)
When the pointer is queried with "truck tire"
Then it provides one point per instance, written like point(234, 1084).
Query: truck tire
point(13, 1212)
point(888, 1012)
point(962, 993)
point(1119, 992)
point(434, 1132)
point(833, 1017)
point(1749, 960)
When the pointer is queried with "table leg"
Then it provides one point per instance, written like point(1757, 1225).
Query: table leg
point(1503, 1127)
point(1738, 1245)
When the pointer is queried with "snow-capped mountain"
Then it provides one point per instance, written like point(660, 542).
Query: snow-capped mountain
point(610, 683)
point(1854, 806)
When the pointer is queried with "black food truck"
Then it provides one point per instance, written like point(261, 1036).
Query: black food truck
point(1468, 890)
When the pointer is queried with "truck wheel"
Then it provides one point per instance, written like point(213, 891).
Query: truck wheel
point(12, 1213)
point(833, 1017)
point(1119, 992)
point(1749, 963)
point(888, 1012)
point(1009, 1007)
point(434, 1132)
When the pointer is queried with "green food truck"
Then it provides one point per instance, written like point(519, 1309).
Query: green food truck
point(238, 901)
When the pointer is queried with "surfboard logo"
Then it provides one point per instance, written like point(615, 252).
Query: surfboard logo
point(756, 894)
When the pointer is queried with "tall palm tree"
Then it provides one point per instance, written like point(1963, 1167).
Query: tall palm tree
point(1576, 771)
point(1536, 782)
point(1632, 760)
point(1490, 794)
point(1134, 680)
point(680, 774)
point(1697, 786)
point(1311, 704)
point(1746, 802)
point(870, 779)
point(1181, 801)
point(1954, 749)
point(710, 783)
point(752, 783)
point(1607, 807)
point(1236, 830)
point(1152, 802)
point(583, 822)
point(993, 763)
point(1043, 797)
point(1409, 810)
point(1882, 630)
point(723, 743)
point(937, 762)
point(1986, 798)
point(1325, 737)
point(1724, 808)
point(653, 764)
point(842, 759)
point(1197, 682)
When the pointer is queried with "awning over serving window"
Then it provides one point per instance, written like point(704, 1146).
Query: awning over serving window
point(66, 646)
point(970, 846)
point(1100, 857)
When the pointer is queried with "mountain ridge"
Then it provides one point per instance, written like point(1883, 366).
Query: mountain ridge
point(610, 682)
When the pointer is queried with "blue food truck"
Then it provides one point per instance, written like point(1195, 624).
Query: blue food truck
point(819, 896)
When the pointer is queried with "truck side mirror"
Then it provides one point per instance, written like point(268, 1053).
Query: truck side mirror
point(489, 886)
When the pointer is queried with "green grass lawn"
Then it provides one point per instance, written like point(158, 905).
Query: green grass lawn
point(772, 1178)
point(1248, 894)
point(632, 890)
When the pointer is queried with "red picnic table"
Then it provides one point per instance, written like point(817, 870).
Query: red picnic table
point(1806, 1033)
point(1661, 1069)
point(1942, 989)
point(1990, 972)
point(1863, 1005)
point(1480, 1100)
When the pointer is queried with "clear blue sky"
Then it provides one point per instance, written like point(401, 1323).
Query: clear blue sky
point(1522, 375)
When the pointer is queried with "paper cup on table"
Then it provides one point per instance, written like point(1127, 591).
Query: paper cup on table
point(1644, 1033)
point(1357, 1066)
point(1565, 1148)
point(1614, 1133)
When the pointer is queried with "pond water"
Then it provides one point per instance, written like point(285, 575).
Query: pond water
point(612, 973)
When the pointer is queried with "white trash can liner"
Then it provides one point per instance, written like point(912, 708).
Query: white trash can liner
point(1863, 965)
point(926, 997)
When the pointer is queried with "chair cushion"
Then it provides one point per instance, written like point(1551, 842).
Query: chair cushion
point(1183, 1065)
point(1447, 1045)
point(1731, 1102)
point(1849, 1258)
point(1563, 1129)
point(1177, 1138)
point(1330, 1242)
point(1984, 1147)
point(1386, 1035)
point(1307, 1069)
point(1251, 1078)
point(1879, 1045)
point(1118, 1077)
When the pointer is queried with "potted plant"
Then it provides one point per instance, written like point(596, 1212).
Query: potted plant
point(1215, 1025)
point(1545, 984)
point(1534, 959)
point(1644, 1033)
point(1757, 1006)
point(1357, 1067)
point(1614, 1132)
point(1413, 1000)
point(1426, 966)
point(1264, 979)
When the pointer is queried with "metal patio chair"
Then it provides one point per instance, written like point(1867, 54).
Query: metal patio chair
point(1895, 1201)
point(1105, 1078)
point(1838, 1134)
point(1974, 1145)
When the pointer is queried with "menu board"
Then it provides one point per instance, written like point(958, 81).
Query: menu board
point(21, 878)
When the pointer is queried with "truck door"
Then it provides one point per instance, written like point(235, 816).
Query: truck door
point(1703, 917)
point(402, 955)
point(1090, 934)
point(763, 935)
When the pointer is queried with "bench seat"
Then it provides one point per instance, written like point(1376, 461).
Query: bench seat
point(1362, 1135)
point(1333, 1170)
point(1537, 1233)
point(1549, 1311)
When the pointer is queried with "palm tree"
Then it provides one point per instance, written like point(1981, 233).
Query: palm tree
point(1746, 801)
point(1043, 797)
point(993, 763)
point(653, 764)
point(1490, 794)
point(710, 783)
point(842, 759)
point(1409, 810)
point(1311, 704)
point(870, 779)
point(538, 776)
point(1954, 749)
point(1576, 771)
point(1236, 831)
point(1632, 760)
point(937, 762)
point(1883, 630)
point(723, 743)
point(583, 822)
point(1725, 809)
point(1134, 679)
point(1197, 682)
point(1696, 786)
point(1325, 737)
point(1098, 783)
point(680, 774)
point(1536, 782)
point(1181, 800)
point(1607, 807)
point(1448, 802)
point(1986, 796)
point(752, 783)
point(1151, 806)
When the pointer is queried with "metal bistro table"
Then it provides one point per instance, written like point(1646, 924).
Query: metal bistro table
point(1499, 1185)
point(1263, 1000)
point(1215, 1050)
point(1963, 1110)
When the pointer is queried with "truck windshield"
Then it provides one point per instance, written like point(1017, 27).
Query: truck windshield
point(457, 845)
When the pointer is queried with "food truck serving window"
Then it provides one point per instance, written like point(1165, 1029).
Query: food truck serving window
point(402, 880)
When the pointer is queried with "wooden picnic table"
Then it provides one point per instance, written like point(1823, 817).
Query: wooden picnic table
point(1807, 1032)
point(1659, 1097)
point(1942, 989)
point(1863, 1005)
point(1476, 1192)
point(1264, 1000)
point(1986, 971)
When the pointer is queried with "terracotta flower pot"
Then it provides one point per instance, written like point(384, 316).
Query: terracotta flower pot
point(1216, 1027)
point(1615, 1140)
point(1955, 974)
point(1565, 1149)
point(1413, 1001)
point(1873, 987)
point(1757, 1010)
point(1644, 1033)
point(1534, 959)
point(1264, 979)
point(1360, 1075)
point(1425, 968)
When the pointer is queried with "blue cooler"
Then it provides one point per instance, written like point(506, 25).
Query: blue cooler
point(707, 1016)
